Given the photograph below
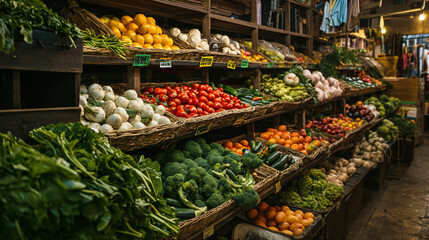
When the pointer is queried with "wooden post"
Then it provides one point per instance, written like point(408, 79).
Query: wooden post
point(205, 76)
point(250, 130)
point(133, 78)
point(258, 79)
point(207, 20)
point(287, 22)
point(77, 78)
point(309, 19)
point(255, 39)
point(16, 97)
point(276, 121)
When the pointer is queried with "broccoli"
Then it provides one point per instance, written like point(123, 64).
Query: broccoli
point(230, 157)
point(333, 192)
point(218, 147)
point(225, 188)
point(383, 130)
point(189, 163)
point(250, 160)
point(200, 203)
point(160, 157)
point(210, 185)
point(197, 173)
point(189, 204)
point(215, 200)
point(310, 202)
point(293, 198)
point(247, 198)
point(318, 186)
point(316, 174)
point(246, 180)
point(305, 185)
point(323, 202)
point(236, 167)
point(171, 168)
point(174, 155)
point(219, 167)
point(191, 149)
point(203, 145)
point(228, 179)
point(226, 152)
point(214, 158)
point(202, 163)
point(384, 98)
point(190, 187)
point(171, 183)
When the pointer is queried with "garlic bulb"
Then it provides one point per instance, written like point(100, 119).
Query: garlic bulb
point(174, 32)
point(194, 32)
point(183, 37)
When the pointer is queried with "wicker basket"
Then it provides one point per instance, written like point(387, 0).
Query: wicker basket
point(181, 44)
point(221, 57)
point(255, 52)
point(83, 19)
point(289, 57)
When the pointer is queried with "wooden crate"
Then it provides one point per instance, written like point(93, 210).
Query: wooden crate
point(406, 89)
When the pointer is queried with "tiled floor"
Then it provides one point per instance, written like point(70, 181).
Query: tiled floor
point(400, 210)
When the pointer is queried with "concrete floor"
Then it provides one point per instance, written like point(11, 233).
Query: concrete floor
point(400, 210)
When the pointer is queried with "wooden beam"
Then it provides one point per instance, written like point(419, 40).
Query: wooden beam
point(255, 39)
point(205, 76)
point(257, 81)
point(250, 130)
point(207, 19)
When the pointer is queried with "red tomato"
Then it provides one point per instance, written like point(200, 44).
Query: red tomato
point(200, 111)
point(210, 103)
point(209, 89)
point(219, 110)
point(183, 98)
point(192, 95)
point(172, 109)
point(195, 86)
point(167, 87)
point(216, 93)
point(210, 110)
point(152, 99)
point(202, 99)
point(181, 113)
point(217, 105)
point(229, 106)
point(157, 91)
point(227, 99)
point(164, 91)
point(220, 89)
point(193, 114)
point(203, 93)
point(218, 99)
point(177, 89)
point(225, 95)
point(162, 97)
point(177, 101)
point(193, 101)
point(205, 113)
point(202, 105)
point(172, 104)
point(149, 90)
point(202, 87)
point(211, 96)
point(185, 88)
point(237, 105)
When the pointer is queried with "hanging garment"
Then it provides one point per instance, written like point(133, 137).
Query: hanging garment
point(326, 18)
point(353, 13)
point(339, 13)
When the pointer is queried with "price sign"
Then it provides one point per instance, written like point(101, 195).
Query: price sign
point(281, 64)
point(206, 61)
point(270, 65)
point(231, 64)
point(351, 68)
point(278, 186)
point(208, 232)
point(203, 129)
point(244, 63)
point(359, 68)
point(165, 63)
point(141, 60)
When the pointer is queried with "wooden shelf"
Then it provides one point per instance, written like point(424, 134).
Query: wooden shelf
point(301, 35)
point(228, 24)
point(298, 4)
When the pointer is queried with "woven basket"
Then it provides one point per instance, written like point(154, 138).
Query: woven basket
point(221, 57)
point(181, 44)
point(255, 52)
point(261, 110)
point(83, 19)
point(289, 57)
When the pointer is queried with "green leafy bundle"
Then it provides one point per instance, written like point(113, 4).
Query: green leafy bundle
point(298, 71)
point(21, 16)
point(338, 56)
point(91, 39)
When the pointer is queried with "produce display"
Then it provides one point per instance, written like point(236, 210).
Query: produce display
point(275, 158)
point(102, 110)
point(405, 126)
point(358, 110)
point(338, 170)
point(140, 31)
point(311, 191)
point(74, 185)
point(249, 96)
point(253, 58)
point(388, 130)
point(199, 176)
point(367, 78)
point(377, 104)
point(281, 219)
point(268, 50)
point(22, 16)
point(298, 141)
point(335, 125)
point(384, 104)
point(358, 83)
point(337, 56)
point(284, 86)
point(112, 43)
point(193, 38)
point(238, 147)
point(195, 101)
point(326, 88)
point(371, 148)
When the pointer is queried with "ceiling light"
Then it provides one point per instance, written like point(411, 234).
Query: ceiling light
point(422, 17)
point(383, 31)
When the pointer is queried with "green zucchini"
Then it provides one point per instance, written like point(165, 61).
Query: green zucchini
point(273, 157)
point(229, 90)
point(185, 213)
point(232, 175)
point(252, 145)
point(258, 146)
point(272, 147)
point(173, 202)
point(281, 162)
point(211, 84)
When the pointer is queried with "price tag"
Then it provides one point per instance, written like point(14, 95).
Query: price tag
point(281, 64)
point(239, 121)
point(278, 186)
point(351, 68)
point(244, 63)
point(165, 63)
point(203, 129)
point(359, 68)
point(206, 61)
point(141, 60)
point(231, 64)
point(270, 65)
point(208, 232)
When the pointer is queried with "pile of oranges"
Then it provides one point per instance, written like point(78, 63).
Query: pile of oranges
point(281, 219)
point(254, 58)
point(237, 147)
point(296, 140)
point(140, 31)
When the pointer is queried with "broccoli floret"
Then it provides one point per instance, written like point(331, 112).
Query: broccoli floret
point(333, 192)
point(189, 204)
point(174, 155)
point(293, 198)
point(197, 173)
point(160, 157)
point(305, 185)
point(171, 183)
point(215, 200)
point(218, 147)
point(210, 185)
point(190, 187)
point(384, 98)
point(323, 202)
point(318, 186)
point(171, 168)
point(247, 199)
point(316, 174)
point(225, 188)
point(202, 163)
point(203, 145)
point(231, 157)
point(189, 163)
point(383, 131)
point(200, 203)
point(236, 167)
point(250, 160)
point(310, 202)
point(214, 158)
point(226, 152)
point(191, 149)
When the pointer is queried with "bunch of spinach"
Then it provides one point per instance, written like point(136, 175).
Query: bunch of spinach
point(21, 16)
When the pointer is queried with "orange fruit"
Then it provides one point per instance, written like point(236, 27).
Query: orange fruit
point(300, 146)
point(301, 139)
point(270, 209)
point(126, 19)
point(287, 232)
point(280, 216)
point(166, 48)
point(252, 214)
point(284, 209)
point(140, 19)
point(308, 139)
point(271, 223)
point(102, 20)
point(284, 135)
point(292, 219)
point(289, 142)
point(167, 42)
point(260, 223)
point(265, 136)
point(139, 38)
point(316, 143)
point(239, 152)
point(116, 19)
point(283, 226)
point(244, 142)
point(175, 48)
point(262, 206)
point(130, 33)
point(270, 130)
point(295, 139)
point(295, 134)
point(157, 39)
point(164, 36)
point(304, 151)
point(228, 144)
point(294, 226)
point(290, 212)
point(297, 232)
point(126, 40)
point(299, 216)
point(157, 46)
point(273, 228)
point(281, 141)
point(270, 214)
point(144, 28)
point(112, 23)
point(116, 31)
point(271, 141)
point(147, 45)
point(282, 128)
point(300, 212)
point(308, 215)
point(136, 44)
point(261, 217)
point(121, 27)
point(148, 39)
point(305, 222)
point(152, 29)
point(132, 26)
point(158, 29)
point(277, 208)
point(151, 20)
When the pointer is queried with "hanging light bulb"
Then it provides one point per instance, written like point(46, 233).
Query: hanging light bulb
point(383, 31)
point(422, 17)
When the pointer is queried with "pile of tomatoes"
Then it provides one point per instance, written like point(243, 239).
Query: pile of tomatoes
point(237, 147)
point(299, 141)
point(195, 101)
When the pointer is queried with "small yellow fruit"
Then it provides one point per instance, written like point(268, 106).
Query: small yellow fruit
point(157, 39)
point(157, 46)
point(116, 31)
point(164, 36)
point(158, 30)
point(106, 19)
point(144, 28)
point(167, 42)
point(121, 27)
point(151, 20)
point(148, 39)
point(175, 48)
point(166, 47)
point(132, 26)
point(152, 29)
point(147, 46)
point(126, 40)
point(126, 19)
point(130, 33)
point(136, 44)
point(116, 19)
point(139, 39)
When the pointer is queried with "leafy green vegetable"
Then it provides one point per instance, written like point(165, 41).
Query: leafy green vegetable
point(91, 39)
point(24, 15)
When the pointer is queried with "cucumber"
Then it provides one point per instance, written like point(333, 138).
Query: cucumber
point(258, 146)
point(281, 162)
point(272, 147)
point(273, 157)
point(174, 202)
point(245, 150)
point(230, 90)
point(185, 213)
point(252, 145)
point(232, 175)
